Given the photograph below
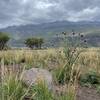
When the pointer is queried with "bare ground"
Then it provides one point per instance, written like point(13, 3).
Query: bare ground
point(85, 93)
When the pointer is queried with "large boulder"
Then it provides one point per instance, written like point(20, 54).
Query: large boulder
point(31, 77)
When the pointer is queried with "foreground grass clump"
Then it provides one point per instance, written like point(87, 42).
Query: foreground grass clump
point(42, 91)
point(11, 85)
point(68, 72)
point(11, 89)
point(68, 94)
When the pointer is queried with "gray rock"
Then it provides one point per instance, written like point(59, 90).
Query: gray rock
point(31, 76)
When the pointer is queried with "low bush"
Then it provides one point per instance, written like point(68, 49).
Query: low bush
point(90, 78)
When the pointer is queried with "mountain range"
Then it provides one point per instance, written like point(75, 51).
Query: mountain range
point(91, 30)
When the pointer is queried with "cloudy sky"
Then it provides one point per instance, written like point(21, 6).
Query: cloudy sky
point(21, 12)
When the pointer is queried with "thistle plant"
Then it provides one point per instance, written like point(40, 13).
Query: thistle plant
point(72, 51)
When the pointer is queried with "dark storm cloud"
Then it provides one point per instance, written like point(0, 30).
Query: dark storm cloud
point(16, 12)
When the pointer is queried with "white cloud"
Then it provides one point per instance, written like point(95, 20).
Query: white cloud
point(43, 5)
point(16, 12)
point(86, 14)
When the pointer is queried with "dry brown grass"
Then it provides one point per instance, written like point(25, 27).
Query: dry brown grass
point(89, 58)
point(50, 59)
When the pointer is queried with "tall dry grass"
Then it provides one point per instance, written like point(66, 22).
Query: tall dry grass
point(50, 59)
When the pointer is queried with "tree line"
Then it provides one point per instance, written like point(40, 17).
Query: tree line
point(32, 42)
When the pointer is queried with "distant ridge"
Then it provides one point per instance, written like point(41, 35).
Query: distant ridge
point(47, 30)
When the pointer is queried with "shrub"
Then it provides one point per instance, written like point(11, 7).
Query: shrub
point(91, 78)
point(34, 42)
point(3, 40)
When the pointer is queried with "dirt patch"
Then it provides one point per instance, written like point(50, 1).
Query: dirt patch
point(85, 93)
point(82, 93)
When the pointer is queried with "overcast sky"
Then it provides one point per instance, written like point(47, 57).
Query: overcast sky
point(17, 12)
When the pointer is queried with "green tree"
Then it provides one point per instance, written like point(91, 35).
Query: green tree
point(34, 42)
point(39, 42)
point(4, 38)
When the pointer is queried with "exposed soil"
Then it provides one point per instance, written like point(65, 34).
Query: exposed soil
point(85, 93)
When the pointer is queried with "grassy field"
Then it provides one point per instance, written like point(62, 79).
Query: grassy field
point(84, 71)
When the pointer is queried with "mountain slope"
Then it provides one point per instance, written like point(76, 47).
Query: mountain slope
point(48, 30)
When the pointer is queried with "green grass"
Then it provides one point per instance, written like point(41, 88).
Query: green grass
point(42, 91)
